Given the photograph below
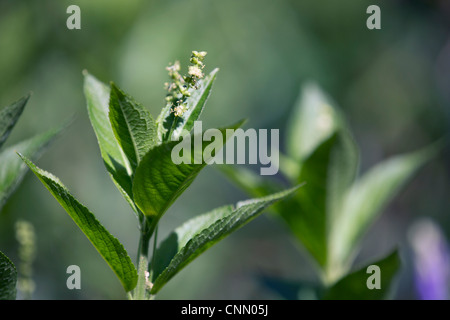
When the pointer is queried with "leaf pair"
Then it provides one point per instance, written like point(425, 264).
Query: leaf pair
point(128, 135)
point(12, 170)
point(336, 207)
point(133, 149)
point(125, 132)
point(195, 236)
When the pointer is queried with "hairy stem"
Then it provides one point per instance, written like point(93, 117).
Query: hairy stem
point(155, 242)
point(140, 293)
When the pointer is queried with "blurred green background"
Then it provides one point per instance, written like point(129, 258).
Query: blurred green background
point(393, 85)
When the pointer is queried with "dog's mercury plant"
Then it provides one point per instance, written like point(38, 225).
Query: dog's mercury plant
point(336, 206)
point(136, 150)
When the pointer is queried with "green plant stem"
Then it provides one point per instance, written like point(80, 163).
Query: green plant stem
point(142, 258)
point(155, 241)
point(140, 293)
point(144, 240)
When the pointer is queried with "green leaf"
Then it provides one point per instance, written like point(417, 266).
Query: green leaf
point(158, 181)
point(288, 211)
point(9, 116)
point(354, 285)
point(12, 169)
point(115, 160)
point(171, 127)
point(178, 238)
point(314, 119)
point(132, 124)
point(341, 173)
point(140, 293)
point(108, 246)
point(328, 170)
point(365, 200)
point(194, 237)
point(8, 278)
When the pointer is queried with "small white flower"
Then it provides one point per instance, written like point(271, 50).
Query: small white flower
point(196, 72)
point(148, 284)
point(180, 110)
point(174, 68)
point(200, 54)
